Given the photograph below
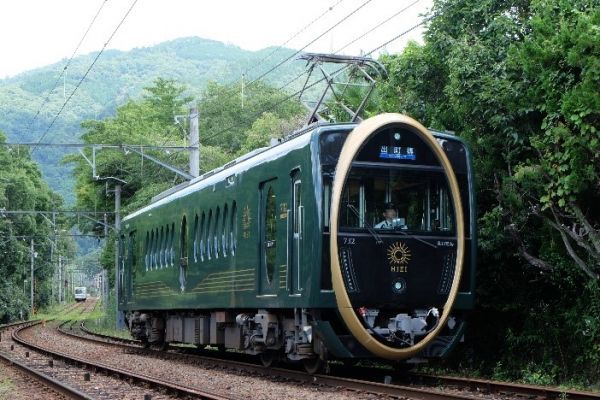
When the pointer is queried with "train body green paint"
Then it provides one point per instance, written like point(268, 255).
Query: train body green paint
point(250, 240)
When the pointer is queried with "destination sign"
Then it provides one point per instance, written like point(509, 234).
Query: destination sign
point(397, 153)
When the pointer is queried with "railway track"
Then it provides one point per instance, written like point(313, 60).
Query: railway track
point(463, 387)
point(368, 386)
point(80, 378)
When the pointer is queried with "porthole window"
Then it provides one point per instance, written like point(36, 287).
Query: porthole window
point(154, 246)
point(202, 235)
point(195, 249)
point(146, 250)
point(161, 252)
point(233, 228)
point(172, 244)
point(224, 234)
point(216, 233)
point(167, 250)
point(209, 234)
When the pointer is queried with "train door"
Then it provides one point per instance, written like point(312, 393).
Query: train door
point(296, 221)
point(130, 267)
point(183, 254)
point(268, 238)
point(121, 262)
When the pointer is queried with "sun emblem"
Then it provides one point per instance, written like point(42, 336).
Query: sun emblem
point(398, 254)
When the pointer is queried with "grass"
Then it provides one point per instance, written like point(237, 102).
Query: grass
point(55, 311)
point(6, 388)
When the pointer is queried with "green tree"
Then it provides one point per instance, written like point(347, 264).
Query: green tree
point(23, 189)
point(518, 80)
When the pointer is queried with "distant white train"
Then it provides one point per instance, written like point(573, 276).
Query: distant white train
point(80, 293)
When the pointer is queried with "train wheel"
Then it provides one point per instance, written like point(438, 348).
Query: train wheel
point(314, 365)
point(269, 358)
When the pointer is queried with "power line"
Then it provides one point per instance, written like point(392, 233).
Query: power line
point(66, 65)
point(279, 64)
point(40, 212)
point(311, 42)
point(276, 105)
point(122, 146)
point(293, 36)
point(342, 48)
point(377, 26)
point(87, 72)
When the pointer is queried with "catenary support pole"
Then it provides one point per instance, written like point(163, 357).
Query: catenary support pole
point(120, 319)
point(194, 141)
point(32, 255)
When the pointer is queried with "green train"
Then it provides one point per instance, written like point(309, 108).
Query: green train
point(343, 241)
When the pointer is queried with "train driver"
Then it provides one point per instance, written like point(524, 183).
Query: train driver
point(390, 215)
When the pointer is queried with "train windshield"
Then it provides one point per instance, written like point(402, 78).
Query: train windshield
point(391, 200)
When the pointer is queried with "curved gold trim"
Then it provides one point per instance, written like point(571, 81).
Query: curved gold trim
point(352, 146)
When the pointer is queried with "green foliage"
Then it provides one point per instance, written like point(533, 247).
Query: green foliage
point(115, 79)
point(519, 81)
point(151, 121)
point(224, 121)
point(22, 188)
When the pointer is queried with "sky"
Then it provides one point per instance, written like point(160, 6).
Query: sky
point(36, 33)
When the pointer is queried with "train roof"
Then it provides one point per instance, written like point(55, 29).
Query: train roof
point(291, 142)
point(249, 160)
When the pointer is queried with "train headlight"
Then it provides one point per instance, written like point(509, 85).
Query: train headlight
point(398, 285)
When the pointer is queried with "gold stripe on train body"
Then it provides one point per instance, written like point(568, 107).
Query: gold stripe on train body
point(352, 146)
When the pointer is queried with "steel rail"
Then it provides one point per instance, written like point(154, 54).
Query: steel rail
point(44, 379)
point(301, 376)
point(490, 386)
point(122, 373)
point(481, 385)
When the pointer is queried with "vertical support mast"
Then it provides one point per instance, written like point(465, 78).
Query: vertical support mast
point(32, 261)
point(120, 320)
point(194, 141)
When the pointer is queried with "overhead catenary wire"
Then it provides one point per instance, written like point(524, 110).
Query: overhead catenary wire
point(231, 92)
point(64, 70)
point(86, 72)
point(279, 64)
point(291, 96)
point(379, 25)
point(294, 36)
point(404, 9)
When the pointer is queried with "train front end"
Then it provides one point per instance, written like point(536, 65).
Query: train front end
point(399, 234)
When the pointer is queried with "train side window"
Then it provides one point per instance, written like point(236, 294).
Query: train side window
point(151, 251)
point(161, 253)
point(202, 235)
point(233, 228)
point(209, 234)
point(216, 232)
point(172, 244)
point(195, 250)
point(146, 252)
point(152, 244)
point(166, 247)
point(157, 249)
point(224, 234)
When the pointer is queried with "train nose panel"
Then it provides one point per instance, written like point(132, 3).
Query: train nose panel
point(377, 270)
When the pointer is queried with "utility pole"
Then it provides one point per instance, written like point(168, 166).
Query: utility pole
point(60, 282)
point(32, 255)
point(120, 320)
point(194, 141)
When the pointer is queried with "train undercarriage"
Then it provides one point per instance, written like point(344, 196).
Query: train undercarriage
point(298, 335)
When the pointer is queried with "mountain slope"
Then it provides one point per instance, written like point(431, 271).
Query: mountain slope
point(117, 76)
